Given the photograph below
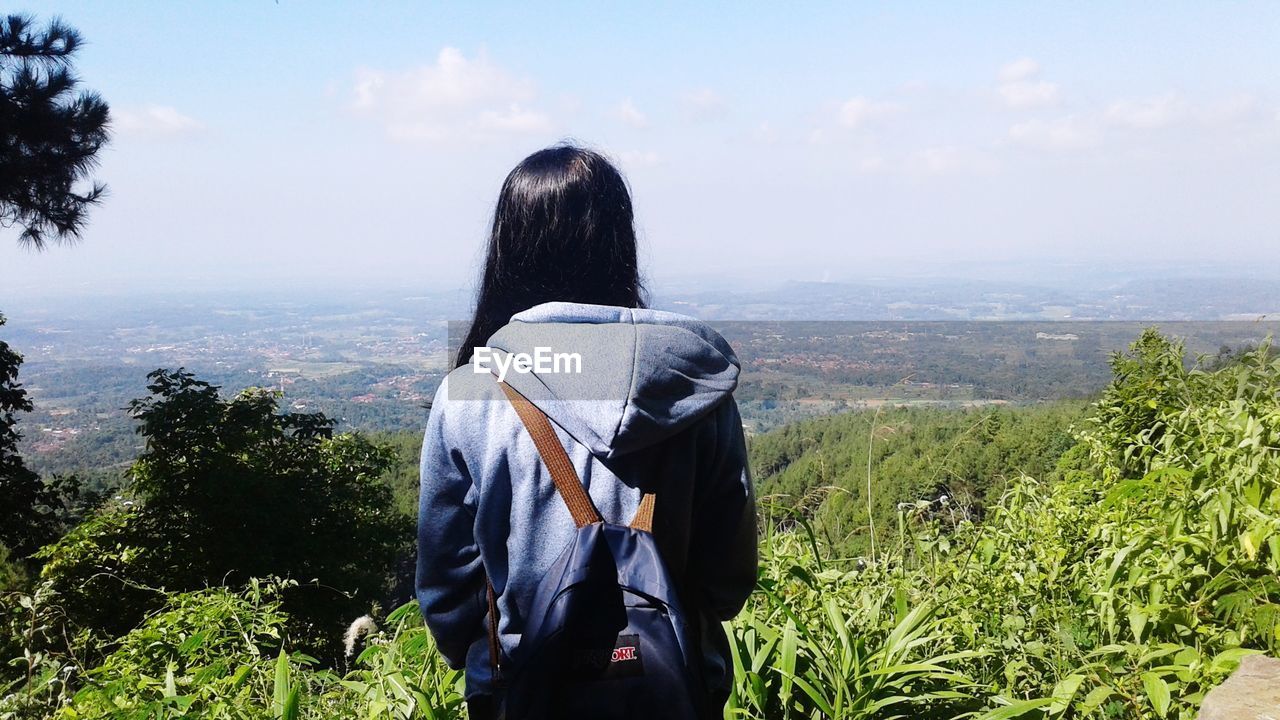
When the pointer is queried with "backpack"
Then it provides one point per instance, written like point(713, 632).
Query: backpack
point(606, 636)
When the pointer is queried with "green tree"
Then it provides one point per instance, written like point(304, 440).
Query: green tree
point(12, 576)
point(50, 133)
point(229, 490)
point(33, 512)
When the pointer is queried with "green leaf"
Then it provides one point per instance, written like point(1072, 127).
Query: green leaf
point(282, 681)
point(1157, 692)
point(787, 662)
point(1017, 709)
point(170, 687)
point(815, 695)
point(292, 703)
point(1227, 660)
point(1063, 692)
point(241, 675)
point(1096, 697)
point(1137, 623)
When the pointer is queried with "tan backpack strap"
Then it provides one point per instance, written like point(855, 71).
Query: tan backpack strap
point(495, 651)
point(644, 514)
point(557, 460)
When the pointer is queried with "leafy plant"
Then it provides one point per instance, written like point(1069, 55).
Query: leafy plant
point(228, 490)
point(1125, 584)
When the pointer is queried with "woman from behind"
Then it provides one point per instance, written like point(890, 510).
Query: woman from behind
point(640, 402)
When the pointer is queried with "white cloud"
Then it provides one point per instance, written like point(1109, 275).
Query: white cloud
point(933, 161)
point(1020, 87)
point(1068, 133)
point(765, 132)
point(949, 160)
point(627, 112)
point(154, 120)
point(856, 112)
point(639, 158)
point(369, 87)
point(1230, 109)
point(454, 97)
point(1147, 113)
point(568, 103)
point(704, 104)
point(515, 119)
point(1024, 68)
point(872, 164)
point(453, 81)
point(1029, 94)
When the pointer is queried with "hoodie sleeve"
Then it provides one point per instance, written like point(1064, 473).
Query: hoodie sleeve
point(723, 546)
point(450, 575)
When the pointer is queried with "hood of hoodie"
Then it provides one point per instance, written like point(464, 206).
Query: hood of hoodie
point(640, 377)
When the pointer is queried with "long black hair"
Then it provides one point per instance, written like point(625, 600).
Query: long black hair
point(563, 230)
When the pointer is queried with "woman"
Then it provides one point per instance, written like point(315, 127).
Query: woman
point(646, 408)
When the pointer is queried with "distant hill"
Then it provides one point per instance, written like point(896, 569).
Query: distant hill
point(944, 299)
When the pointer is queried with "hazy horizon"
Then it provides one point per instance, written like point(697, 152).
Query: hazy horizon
point(1087, 278)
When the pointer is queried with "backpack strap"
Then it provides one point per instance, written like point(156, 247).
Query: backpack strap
point(567, 485)
point(557, 460)
point(495, 650)
point(643, 519)
point(562, 473)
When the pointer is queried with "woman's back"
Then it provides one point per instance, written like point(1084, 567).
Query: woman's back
point(642, 402)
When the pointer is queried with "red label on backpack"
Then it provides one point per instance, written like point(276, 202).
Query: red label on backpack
point(625, 660)
point(626, 654)
point(622, 660)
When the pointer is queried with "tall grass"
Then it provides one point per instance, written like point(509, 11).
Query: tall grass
point(828, 643)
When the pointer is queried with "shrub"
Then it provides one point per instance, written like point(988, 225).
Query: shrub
point(228, 490)
point(222, 654)
point(208, 654)
point(13, 576)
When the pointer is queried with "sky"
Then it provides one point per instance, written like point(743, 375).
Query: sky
point(262, 144)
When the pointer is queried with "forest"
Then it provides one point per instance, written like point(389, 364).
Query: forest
point(1110, 559)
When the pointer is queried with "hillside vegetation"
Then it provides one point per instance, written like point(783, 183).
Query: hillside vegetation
point(953, 462)
point(1116, 569)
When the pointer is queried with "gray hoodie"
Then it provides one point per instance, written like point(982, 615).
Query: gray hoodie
point(648, 407)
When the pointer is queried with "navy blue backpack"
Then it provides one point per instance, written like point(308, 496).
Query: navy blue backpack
point(606, 636)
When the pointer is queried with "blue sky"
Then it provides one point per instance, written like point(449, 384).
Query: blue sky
point(260, 143)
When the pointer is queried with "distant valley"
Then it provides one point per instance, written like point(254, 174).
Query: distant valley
point(373, 359)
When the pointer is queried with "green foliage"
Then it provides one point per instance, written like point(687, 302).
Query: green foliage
point(34, 512)
point(1124, 583)
point(100, 569)
point(208, 654)
point(52, 132)
point(399, 676)
point(40, 648)
point(820, 467)
point(13, 576)
point(1131, 589)
point(20, 516)
point(225, 654)
point(1125, 588)
point(403, 475)
point(839, 641)
point(228, 490)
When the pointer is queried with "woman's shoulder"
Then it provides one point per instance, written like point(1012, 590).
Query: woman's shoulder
point(464, 401)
